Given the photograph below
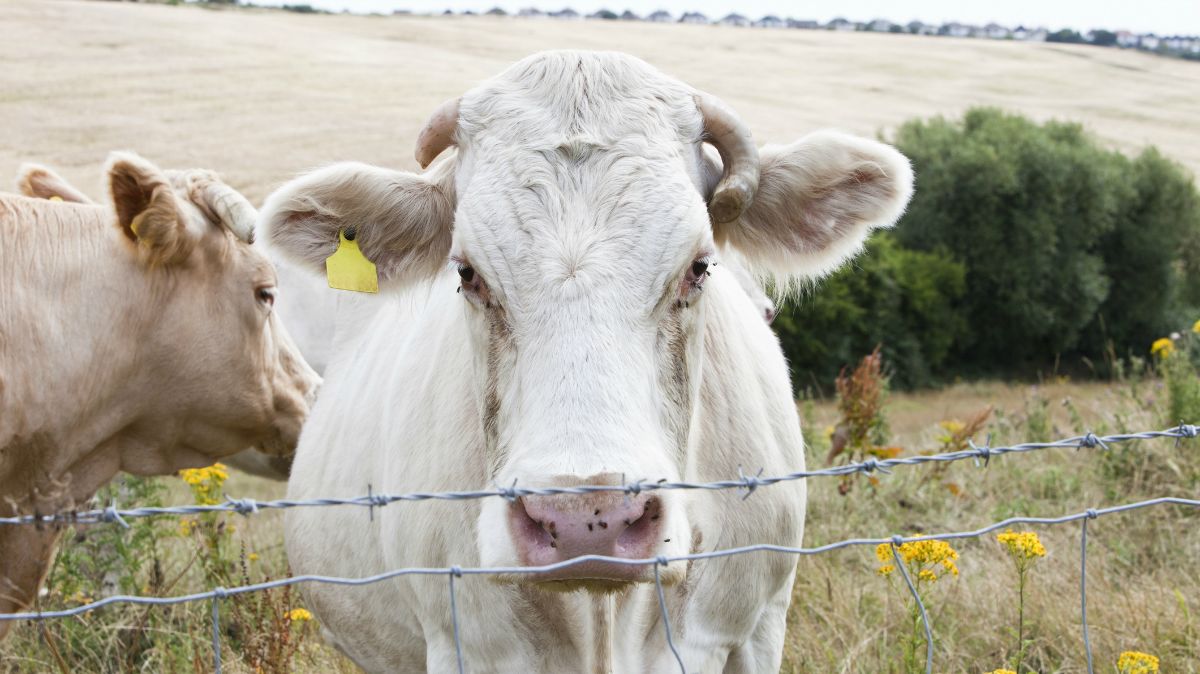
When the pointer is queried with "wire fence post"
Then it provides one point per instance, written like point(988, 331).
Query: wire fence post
point(455, 572)
point(1087, 642)
point(666, 618)
point(218, 594)
point(896, 541)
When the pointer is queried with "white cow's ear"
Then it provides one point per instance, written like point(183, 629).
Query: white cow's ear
point(401, 221)
point(817, 201)
point(39, 182)
point(147, 210)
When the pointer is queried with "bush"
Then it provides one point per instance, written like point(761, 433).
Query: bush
point(901, 299)
point(1066, 245)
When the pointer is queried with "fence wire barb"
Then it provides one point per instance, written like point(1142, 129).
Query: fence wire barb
point(373, 500)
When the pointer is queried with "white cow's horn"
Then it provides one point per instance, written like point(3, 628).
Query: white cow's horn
point(729, 135)
point(438, 133)
point(230, 208)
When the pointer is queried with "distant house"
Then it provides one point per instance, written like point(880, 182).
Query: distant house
point(628, 15)
point(880, 26)
point(661, 16)
point(770, 21)
point(1126, 39)
point(734, 19)
point(496, 11)
point(995, 31)
point(531, 13)
point(565, 13)
point(1150, 42)
point(955, 30)
point(803, 24)
point(693, 17)
point(840, 24)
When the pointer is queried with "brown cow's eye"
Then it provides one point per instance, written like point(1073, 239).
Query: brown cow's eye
point(266, 296)
point(699, 268)
point(466, 273)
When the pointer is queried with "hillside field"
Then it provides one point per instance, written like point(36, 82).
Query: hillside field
point(262, 95)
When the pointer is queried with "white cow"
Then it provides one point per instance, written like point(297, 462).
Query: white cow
point(582, 332)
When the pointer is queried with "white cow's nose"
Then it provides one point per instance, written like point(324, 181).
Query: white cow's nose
point(551, 529)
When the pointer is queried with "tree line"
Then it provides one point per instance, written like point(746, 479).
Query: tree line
point(1027, 249)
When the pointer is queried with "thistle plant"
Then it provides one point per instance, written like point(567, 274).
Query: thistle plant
point(1024, 548)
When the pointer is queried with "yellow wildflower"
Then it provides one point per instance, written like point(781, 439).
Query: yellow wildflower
point(299, 615)
point(1134, 662)
point(206, 482)
point(921, 557)
point(1162, 347)
point(884, 552)
point(1023, 545)
point(185, 527)
point(1196, 327)
point(1002, 671)
point(253, 556)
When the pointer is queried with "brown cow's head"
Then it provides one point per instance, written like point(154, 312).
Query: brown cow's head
point(223, 365)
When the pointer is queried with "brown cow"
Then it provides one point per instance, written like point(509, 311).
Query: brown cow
point(138, 337)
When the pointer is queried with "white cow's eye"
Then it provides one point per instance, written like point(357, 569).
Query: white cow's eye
point(266, 295)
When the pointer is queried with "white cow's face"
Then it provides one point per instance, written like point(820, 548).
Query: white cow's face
point(576, 214)
point(585, 322)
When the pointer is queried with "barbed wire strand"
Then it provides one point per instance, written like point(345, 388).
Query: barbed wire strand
point(666, 618)
point(1087, 642)
point(895, 547)
point(453, 572)
point(249, 506)
point(216, 630)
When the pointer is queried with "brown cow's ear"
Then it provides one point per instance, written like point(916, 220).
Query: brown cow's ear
point(401, 221)
point(818, 199)
point(146, 208)
point(39, 182)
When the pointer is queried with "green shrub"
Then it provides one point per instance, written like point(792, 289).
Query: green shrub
point(902, 299)
point(1026, 246)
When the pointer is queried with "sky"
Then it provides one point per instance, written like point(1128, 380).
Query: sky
point(1165, 17)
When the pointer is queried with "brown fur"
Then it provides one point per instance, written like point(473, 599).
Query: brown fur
point(146, 354)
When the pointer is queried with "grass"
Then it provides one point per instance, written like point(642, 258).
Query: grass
point(1142, 588)
point(1143, 593)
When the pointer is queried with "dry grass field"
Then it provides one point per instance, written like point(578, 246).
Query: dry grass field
point(260, 96)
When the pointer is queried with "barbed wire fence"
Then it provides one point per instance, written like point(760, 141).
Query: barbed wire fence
point(982, 456)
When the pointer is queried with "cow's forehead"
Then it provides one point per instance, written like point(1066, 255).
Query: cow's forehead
point(579, 166)
point(564, 97)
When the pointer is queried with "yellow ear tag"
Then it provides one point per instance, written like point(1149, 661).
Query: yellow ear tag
point(349, 269)
point(56, 198)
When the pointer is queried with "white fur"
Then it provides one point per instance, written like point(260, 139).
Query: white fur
point(578, 189)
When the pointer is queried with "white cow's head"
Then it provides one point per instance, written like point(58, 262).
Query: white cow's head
point(584, 217)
